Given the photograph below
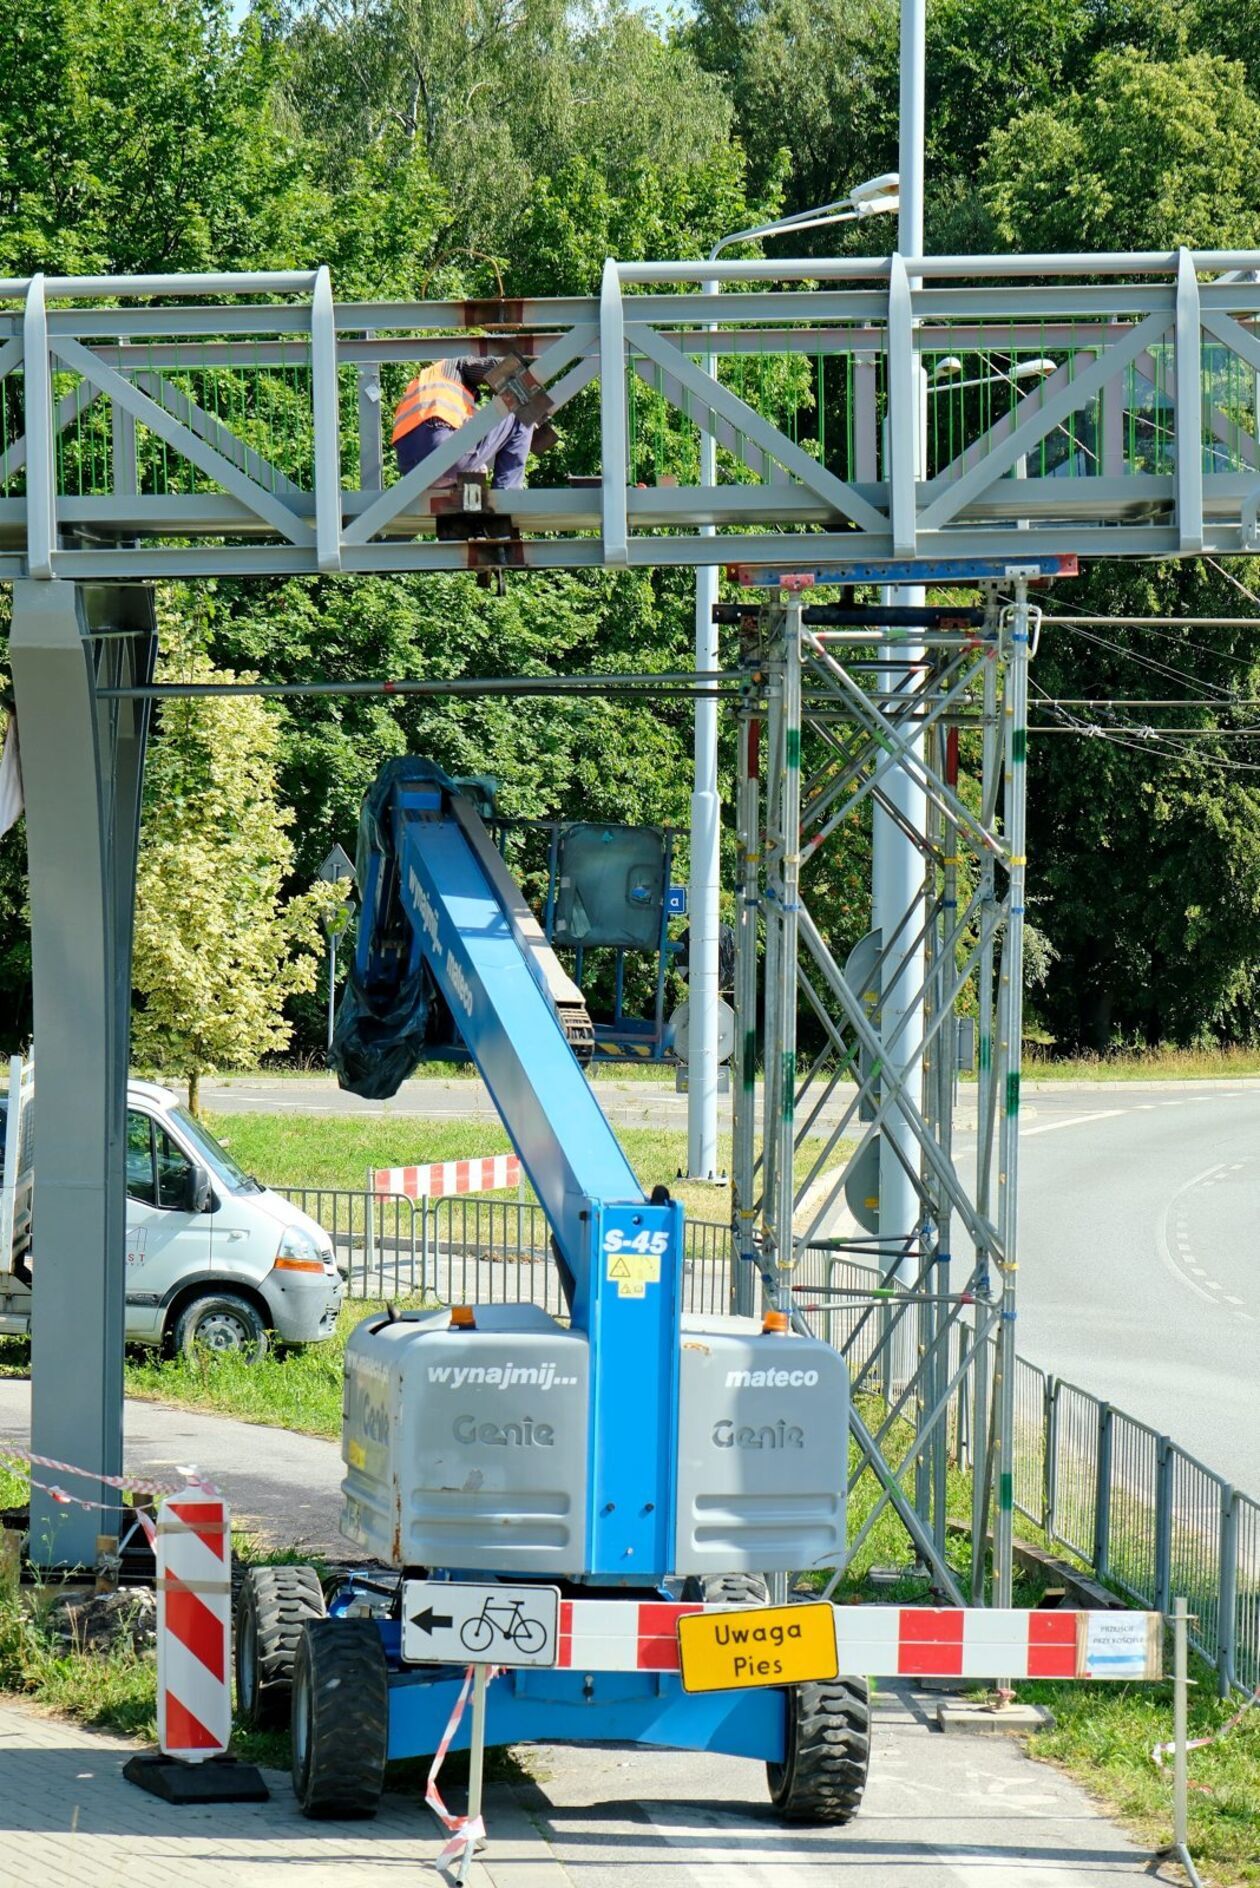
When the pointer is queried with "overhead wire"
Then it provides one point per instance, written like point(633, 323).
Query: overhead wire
point(1148, 662)
point(1156, 743)
point(1152, 629)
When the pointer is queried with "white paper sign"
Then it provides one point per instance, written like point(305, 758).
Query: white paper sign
point(1118, 1645)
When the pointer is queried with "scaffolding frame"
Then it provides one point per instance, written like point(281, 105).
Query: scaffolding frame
point(823, 726)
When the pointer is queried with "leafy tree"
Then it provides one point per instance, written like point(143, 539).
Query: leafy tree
point(1154, 154)
point(1144, 847)
point(495, 97)
point(218, 948)
point(816, 76)
point(129, 135)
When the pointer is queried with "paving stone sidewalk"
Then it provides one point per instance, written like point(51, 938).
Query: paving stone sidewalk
point(69, 1820)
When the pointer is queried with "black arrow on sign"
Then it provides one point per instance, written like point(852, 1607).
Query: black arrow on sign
point(429, 1621)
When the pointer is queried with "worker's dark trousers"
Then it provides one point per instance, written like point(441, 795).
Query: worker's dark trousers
point(503, 451)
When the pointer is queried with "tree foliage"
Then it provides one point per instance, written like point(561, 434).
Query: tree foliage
point(485, 147)
point(1154, 154)
point(218, 946)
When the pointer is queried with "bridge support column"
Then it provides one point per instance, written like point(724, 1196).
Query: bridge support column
point(82, 763)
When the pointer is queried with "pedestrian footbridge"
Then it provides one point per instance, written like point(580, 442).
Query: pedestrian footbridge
point(863, 410)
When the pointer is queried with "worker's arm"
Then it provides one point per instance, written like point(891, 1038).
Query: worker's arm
point(475, 369)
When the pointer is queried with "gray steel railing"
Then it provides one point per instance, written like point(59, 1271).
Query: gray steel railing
point(1142, 1515)
point(1129, 1504)
point(467, 1249)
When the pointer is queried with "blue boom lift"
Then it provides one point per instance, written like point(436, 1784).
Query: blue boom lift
point(629, 1455)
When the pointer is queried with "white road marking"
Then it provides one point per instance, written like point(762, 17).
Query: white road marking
point(979, 1870)
point(1075, 1121)
point(719, 1866)
point(1162, 1245)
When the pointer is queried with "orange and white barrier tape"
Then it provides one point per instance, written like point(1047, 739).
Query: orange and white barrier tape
point(442, 1178)
point(27, 1461)
point(465, 1831)
point(194, 1624)
point(1161, 1751)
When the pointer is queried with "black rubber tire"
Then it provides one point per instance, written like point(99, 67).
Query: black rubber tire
point(726, 1589)
point(340, 1718)
point(273, 1606)
point(207, 1323)
point(823, 1777)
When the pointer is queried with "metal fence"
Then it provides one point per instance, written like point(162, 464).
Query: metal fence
point(1138, 1511)
point(1142, 1515)
point(476, 1250)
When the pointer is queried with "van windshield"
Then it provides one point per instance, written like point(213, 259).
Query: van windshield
point(217, 1158)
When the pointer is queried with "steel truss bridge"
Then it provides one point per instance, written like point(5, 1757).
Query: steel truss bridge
point(891, 419)
point(190, 426)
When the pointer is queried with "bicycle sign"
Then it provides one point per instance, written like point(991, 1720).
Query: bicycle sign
point(448, 1623)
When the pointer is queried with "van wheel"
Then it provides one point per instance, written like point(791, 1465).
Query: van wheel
point(274, 1605)
point(224, 1324)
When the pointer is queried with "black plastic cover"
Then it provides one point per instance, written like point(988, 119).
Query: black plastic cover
point(385, 1026)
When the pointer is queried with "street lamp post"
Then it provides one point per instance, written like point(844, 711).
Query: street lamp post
point(877, 196)
point(897, 876)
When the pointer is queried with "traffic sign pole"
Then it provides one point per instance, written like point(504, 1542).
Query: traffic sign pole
point(476, 1763)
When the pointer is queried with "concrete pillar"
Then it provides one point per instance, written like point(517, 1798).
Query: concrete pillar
point(82, 764)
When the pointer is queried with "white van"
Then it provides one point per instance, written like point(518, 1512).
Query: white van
point(214, 1258)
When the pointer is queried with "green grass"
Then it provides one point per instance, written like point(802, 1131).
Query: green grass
point(1146, 1065)
point(292, 1390)
point(1103, 1736)
point(338, 1150)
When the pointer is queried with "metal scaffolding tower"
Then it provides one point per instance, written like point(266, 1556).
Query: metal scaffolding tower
point(824, 732)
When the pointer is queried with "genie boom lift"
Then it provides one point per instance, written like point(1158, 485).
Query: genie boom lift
point(614, 1464)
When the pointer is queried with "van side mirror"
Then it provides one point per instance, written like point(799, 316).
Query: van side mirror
point(196, 1190)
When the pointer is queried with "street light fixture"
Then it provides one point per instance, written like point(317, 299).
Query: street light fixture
point(1039, 369)
point(877, 196)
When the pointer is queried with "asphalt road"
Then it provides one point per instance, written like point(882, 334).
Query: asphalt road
point(285, 1489)
point(1139, 1274)
point(939, 1812)
point(652, 1104)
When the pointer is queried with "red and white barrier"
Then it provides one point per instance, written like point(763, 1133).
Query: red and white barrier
point(889, 1641)
point(194, 1625)
point(444, 1177)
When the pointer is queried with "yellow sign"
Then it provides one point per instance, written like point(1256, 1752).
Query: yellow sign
point(770, 1645)
point(633, 1272)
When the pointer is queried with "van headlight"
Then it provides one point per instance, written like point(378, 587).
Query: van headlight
point(301, 1251)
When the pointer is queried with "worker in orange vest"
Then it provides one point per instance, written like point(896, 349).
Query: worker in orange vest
point(437, 402)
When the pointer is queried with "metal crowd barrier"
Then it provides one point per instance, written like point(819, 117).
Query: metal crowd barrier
point(475, 1250)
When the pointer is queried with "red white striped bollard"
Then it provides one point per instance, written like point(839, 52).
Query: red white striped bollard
point(194, 1625)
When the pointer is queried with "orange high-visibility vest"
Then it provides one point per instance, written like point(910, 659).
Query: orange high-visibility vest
point(436, 394)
